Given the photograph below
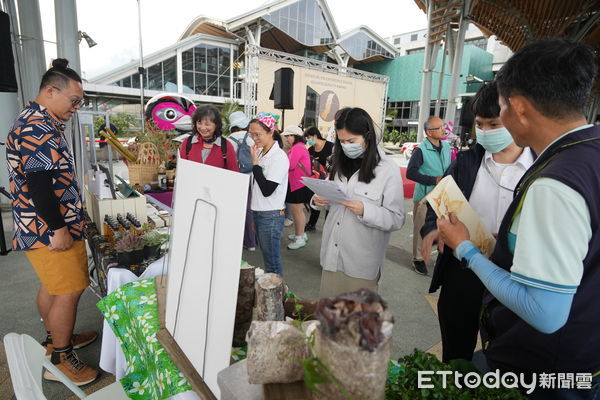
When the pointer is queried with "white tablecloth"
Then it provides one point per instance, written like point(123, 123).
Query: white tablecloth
point(112, 358)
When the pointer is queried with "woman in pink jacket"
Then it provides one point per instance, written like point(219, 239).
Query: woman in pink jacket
point(298, 194)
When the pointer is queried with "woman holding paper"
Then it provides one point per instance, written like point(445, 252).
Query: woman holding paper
point(269, 187)
point(357, 231)
point(297, 194)
point(487, 175)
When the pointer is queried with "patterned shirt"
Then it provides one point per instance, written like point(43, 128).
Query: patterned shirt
point(36, 143)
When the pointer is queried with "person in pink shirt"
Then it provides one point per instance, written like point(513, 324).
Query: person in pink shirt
point(298, 194)
point(206, 145)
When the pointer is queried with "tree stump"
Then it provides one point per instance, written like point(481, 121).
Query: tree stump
point(245, 305)
point(269, 298)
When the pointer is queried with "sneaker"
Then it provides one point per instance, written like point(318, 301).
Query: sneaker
point(288, 222)
point(250, 248)
point(310, 228)
point(292, 237)
point(297, 244)
point(420, 267)
point(78, 340)
point(76, 370)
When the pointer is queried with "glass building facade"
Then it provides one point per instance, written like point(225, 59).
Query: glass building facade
point(160, 76)
point(303, 21)
point(206, 70)
point(361, 46)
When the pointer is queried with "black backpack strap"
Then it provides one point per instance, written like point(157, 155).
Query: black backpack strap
point(188, 146)
point(224, 151)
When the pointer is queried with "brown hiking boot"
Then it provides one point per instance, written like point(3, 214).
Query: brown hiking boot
point(76, 370)
point(78, 340)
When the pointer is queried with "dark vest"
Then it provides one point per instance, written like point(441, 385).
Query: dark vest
point(510, 343)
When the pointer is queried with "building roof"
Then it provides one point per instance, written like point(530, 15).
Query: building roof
point(515, 22)
point(363, 44)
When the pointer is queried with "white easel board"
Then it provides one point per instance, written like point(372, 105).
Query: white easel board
point(209, 212)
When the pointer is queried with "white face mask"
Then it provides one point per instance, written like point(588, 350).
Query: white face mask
point(353, 150)
point(494, 140)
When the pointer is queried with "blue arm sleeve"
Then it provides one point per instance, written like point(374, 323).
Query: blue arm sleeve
point(545, 310)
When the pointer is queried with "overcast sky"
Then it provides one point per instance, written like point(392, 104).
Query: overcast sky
point(113, 24)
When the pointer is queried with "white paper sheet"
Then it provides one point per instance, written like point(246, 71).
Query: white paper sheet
point(329, 190)
point(446, 198)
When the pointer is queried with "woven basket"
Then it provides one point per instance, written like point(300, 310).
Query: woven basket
point(145, 170)
point(142, 173)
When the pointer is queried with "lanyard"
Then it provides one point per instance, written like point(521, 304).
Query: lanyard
point(497, 182)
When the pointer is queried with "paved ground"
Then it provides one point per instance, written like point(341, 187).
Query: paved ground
point(415, 322)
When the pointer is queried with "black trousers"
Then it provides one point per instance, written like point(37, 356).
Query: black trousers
point(314, 217)
point(459, 306)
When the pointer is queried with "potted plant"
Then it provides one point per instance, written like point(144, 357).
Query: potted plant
point(130, 249)
point(152, 243)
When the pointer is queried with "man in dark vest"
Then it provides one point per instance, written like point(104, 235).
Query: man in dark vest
point(541, 313)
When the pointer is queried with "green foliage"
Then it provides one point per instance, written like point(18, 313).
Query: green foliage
point(153, 238)
point(396, 136)
point(125, 123)
point(403, 378)
point(229, 107)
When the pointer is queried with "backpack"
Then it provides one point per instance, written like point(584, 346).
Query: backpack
point(319, 171)
point(244, 157)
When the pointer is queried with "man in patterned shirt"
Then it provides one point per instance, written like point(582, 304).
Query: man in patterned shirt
point(48, 215)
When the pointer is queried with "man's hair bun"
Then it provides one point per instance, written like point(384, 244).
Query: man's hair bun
point(60, 63)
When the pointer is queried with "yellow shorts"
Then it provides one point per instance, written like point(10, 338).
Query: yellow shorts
point(61, 272)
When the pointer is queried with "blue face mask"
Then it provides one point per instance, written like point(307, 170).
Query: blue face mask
point(310, 142)
point(494, 140)
point(352, 150)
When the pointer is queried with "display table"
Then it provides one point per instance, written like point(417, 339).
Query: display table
point(131, 322)
point(112, 358)
point(164, 200)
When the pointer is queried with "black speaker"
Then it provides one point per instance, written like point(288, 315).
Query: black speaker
point(8, 80)
point(283, 93)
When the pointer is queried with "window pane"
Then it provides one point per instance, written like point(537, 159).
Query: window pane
point(133, 81)
point(187, 60)
point(293, 28)
point(200, 83)
point(200, 59)
point(236, 71)
point(155, 77)
point(224, 90)
point(212, 85)
point(170, 74)
point(212, 60)
point(224, 61)
point(188, 82)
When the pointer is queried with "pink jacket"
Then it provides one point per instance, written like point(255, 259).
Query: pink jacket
point(298, 153)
